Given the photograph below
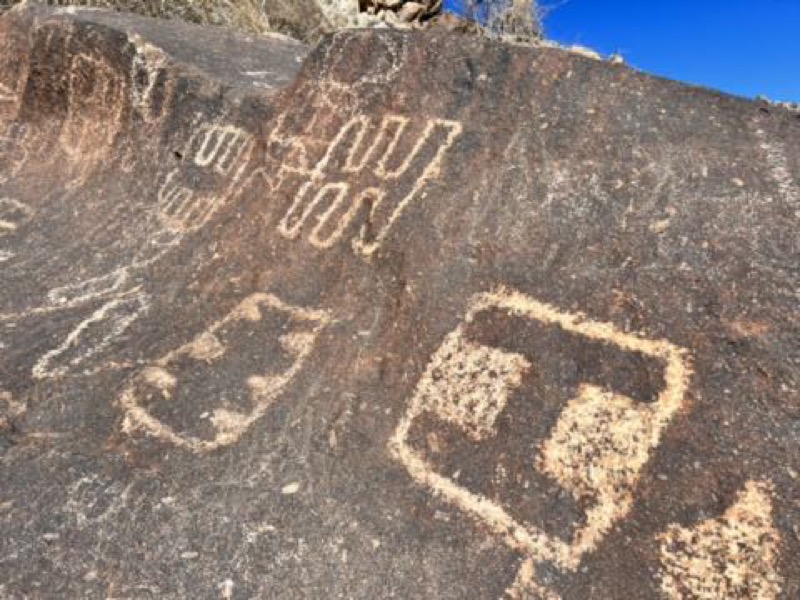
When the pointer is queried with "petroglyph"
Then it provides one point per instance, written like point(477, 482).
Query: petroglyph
point(220, 148)
point(174, 202)
point(95, 105)
point(215, 155)
point(374, 166)
point(596, 450)
point(223, 151)
point(265, 373)
point(91, 337)
point(72, 295)
point(731, 557)
point(13, 215)
point(391, 55)
point(469, 385)
point(596, 447)
point(151, 89)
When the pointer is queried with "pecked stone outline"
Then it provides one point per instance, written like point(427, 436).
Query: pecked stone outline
point(535, 545)
point(265, 390)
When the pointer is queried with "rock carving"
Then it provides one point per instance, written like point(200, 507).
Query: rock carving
point(394, 157)
point(733, 556)
point(595, 451)
point(265, 375)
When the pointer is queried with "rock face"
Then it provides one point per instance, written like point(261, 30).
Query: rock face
point(302, 19)
point(512, 322)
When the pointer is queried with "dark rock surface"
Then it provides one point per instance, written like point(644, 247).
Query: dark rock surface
point(506, 321)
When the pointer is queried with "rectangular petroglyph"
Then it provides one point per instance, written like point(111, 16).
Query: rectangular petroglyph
point(595, 450)
point(374, 167)
point(264, 343)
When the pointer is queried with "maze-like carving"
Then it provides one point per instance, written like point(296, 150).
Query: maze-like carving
point(372, 166)
point(595, 451)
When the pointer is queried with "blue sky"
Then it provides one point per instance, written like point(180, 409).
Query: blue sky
point(745, 47)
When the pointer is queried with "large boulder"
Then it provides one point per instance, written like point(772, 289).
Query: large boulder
point(305, 20)
point(413, 316)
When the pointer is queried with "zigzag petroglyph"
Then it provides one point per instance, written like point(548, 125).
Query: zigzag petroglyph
point(394, 158)
point(221, 151)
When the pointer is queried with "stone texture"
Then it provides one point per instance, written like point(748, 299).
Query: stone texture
point(234, 275)
point(302, 19)
point(308, 20)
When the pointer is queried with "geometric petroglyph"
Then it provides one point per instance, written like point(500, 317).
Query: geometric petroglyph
point(206, 394)
point(82, 292)
point(216, 155)
point(391, 159)
point(91, 337)
point(151, 90)
point(599, 444)
point(469, 385)
point(595, 451)
point(730, 557)
point(213, 154)
point(220, 148)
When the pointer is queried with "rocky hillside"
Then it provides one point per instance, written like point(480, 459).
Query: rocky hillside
point(308, 20)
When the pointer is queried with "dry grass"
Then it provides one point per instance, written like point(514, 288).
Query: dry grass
point(518, 21)
point(294, 17)
point(508, 20)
